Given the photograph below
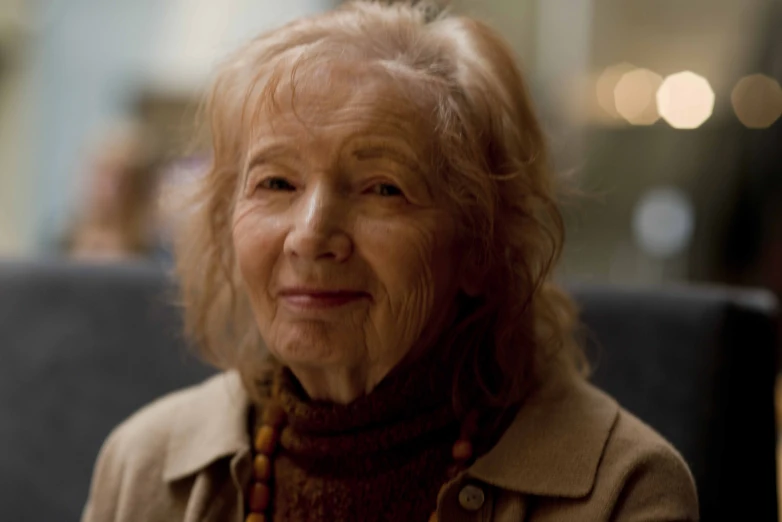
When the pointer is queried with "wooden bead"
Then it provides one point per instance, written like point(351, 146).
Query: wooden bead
point(462, 450)
point(259, 497)
point(273, 415)
point(255, 517)
point(262, 468)
point(265, 440)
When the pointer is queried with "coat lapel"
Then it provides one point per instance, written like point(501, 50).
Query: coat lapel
point(215, 429)
point(554, 446)
point(201, 450)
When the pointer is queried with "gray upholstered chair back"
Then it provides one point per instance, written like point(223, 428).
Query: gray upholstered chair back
point(699, 365)
point(81, 347)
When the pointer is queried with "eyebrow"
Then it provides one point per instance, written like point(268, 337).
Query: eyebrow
point(269, 153)
point(378, 151)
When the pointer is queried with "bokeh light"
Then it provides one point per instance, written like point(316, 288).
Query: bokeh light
point(757, 100)
point(606, 86)
point(634, 96)
point(663, 222)
point(685, 100)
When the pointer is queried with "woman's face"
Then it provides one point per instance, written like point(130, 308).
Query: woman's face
point(346, 251)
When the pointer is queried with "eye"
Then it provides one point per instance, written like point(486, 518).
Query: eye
point(386, 190)
point(276, 184)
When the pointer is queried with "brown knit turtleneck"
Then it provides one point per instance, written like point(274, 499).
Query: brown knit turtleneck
point(382, 457)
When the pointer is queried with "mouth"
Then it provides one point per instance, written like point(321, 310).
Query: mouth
point(309, 299)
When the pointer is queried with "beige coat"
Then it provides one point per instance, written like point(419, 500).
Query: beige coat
point(571, 455)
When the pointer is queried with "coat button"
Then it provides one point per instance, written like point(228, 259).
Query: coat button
point(471, 498)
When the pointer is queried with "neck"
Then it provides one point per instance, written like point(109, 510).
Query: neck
point(343, 385)
point(337, 385)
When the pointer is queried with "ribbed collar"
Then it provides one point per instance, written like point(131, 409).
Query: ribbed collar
point(409, 409)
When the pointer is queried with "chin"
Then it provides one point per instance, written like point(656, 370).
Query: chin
point(312, 350)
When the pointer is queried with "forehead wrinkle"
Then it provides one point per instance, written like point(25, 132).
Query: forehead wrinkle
point(374, 108)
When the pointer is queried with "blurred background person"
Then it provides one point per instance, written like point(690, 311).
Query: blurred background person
point(117, 218)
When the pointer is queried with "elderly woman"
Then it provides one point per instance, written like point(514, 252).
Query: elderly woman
point(370, 260)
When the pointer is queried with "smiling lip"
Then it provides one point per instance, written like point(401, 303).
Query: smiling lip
point(316, 299)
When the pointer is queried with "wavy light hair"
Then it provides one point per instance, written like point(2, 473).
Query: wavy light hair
point(491, 163)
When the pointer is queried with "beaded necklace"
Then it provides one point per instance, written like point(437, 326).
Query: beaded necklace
point(259, 495)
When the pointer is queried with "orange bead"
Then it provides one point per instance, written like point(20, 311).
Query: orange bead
point(462, 450)
point(265, 440)
point(273, 415)
point(262, 468)
point(433, 518)
point(255, 517)
point(259, 497)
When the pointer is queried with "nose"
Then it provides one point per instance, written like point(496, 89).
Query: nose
point(317, 230)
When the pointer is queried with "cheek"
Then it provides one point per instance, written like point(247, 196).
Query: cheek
point(412, 260)
point(257, 242)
